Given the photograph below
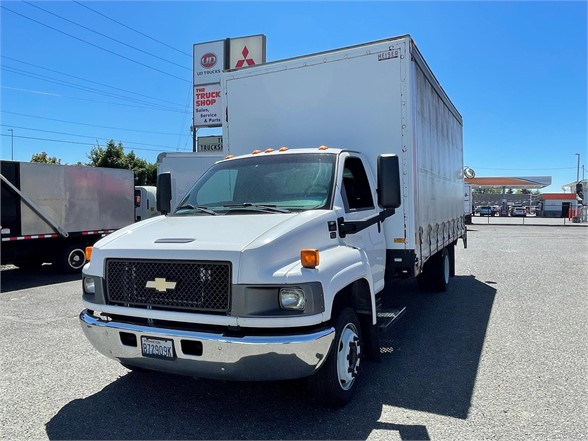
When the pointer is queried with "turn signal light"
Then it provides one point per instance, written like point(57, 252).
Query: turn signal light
point(89, 253)
point(309, 258)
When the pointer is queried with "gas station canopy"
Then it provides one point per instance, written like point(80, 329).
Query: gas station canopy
point(532, 182)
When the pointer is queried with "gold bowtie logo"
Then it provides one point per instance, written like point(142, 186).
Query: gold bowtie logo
point(161, 285)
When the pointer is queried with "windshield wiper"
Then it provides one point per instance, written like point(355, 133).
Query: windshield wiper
point(198, 208)
point(259, 207)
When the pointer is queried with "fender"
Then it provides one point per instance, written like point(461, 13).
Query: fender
point(339, 267)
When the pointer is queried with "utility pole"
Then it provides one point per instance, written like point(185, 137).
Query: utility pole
point(578, 168)
point(11, 144)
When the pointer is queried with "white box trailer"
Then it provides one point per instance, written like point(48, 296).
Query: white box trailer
point(376, 98)
point(50, 213)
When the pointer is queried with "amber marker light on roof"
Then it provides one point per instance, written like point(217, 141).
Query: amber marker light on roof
point(309, 258)
point(323, 147)
point(283, 149)
point(255, 152)
point(229, 156)
point(269, 150)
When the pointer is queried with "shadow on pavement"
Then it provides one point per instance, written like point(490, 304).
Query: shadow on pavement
point(15, 279)
point(430, 361)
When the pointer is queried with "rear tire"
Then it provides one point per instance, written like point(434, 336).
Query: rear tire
point(436, 272)
point(72, 259)
point(335, 383)
point(441, 271)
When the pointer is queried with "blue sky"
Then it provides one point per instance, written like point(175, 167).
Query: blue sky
point(515, 70)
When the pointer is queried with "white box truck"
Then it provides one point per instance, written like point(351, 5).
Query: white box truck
point(273, 266)
point(185, 169)
point(468, 203)
point(51, 213)
point(145, 202)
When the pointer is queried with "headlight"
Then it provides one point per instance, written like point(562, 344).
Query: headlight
point(89, 285)
point(292, 298)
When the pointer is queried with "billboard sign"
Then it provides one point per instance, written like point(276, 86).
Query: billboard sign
point(209, 62)
point(246, 51)
point(207, 105)
point(210, 144)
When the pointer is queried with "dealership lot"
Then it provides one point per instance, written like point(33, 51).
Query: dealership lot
point(502, 355)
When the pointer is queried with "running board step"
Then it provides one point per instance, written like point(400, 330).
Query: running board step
point(388, 317)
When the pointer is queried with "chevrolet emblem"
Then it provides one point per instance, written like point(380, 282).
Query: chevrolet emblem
point(160, 284)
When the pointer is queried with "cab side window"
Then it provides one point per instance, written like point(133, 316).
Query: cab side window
point(356, 189)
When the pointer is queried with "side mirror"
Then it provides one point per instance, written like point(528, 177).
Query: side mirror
point(164, 193)
point(388, 181)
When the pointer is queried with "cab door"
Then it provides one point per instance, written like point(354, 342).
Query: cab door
point(360, 203)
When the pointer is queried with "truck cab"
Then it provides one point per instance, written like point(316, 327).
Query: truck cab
point(268, 269)
point(145, 202)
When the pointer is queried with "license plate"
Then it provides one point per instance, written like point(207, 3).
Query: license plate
point(157, 348)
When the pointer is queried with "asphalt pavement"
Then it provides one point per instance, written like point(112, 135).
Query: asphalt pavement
point(502, 355)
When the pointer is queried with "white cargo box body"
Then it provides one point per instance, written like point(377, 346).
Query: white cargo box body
point(185, 169)
point(375, 98)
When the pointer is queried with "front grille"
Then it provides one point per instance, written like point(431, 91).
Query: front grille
point(199, 286)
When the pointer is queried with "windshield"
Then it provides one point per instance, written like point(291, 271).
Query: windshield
point(277, 183)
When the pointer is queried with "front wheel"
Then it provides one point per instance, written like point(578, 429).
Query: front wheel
point(336, 381)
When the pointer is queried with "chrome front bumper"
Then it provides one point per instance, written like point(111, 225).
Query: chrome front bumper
point(222, 357)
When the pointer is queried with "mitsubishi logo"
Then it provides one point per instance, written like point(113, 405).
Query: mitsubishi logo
point(242, 62)
point(160, 284)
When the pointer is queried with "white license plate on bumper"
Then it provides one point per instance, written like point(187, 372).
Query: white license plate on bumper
point(155, 347)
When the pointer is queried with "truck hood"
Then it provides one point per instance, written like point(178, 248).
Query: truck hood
point(211, 233)
point(258, 245)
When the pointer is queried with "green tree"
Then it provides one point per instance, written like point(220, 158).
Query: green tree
point(113, 156)
point(145, 172)
point(43, 158)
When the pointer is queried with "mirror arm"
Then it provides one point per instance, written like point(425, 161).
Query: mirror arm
point(352, 227)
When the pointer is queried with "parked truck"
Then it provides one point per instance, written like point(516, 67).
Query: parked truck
point(275, 264)
point(51, 213)
point(185, 168)
point(468, 204)
point(145, 202)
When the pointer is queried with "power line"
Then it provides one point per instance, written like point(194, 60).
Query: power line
point(153, 107)
point(80, 136)
point(78, 143)
point(91, 125)
point(95, 45)
point(105, 36)
point(90, 81)
point(86, 89)
point(134, 30)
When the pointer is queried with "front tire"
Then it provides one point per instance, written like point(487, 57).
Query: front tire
point(335, 383)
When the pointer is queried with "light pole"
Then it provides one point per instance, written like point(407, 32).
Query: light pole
point(578, 168)
point(11, 144)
